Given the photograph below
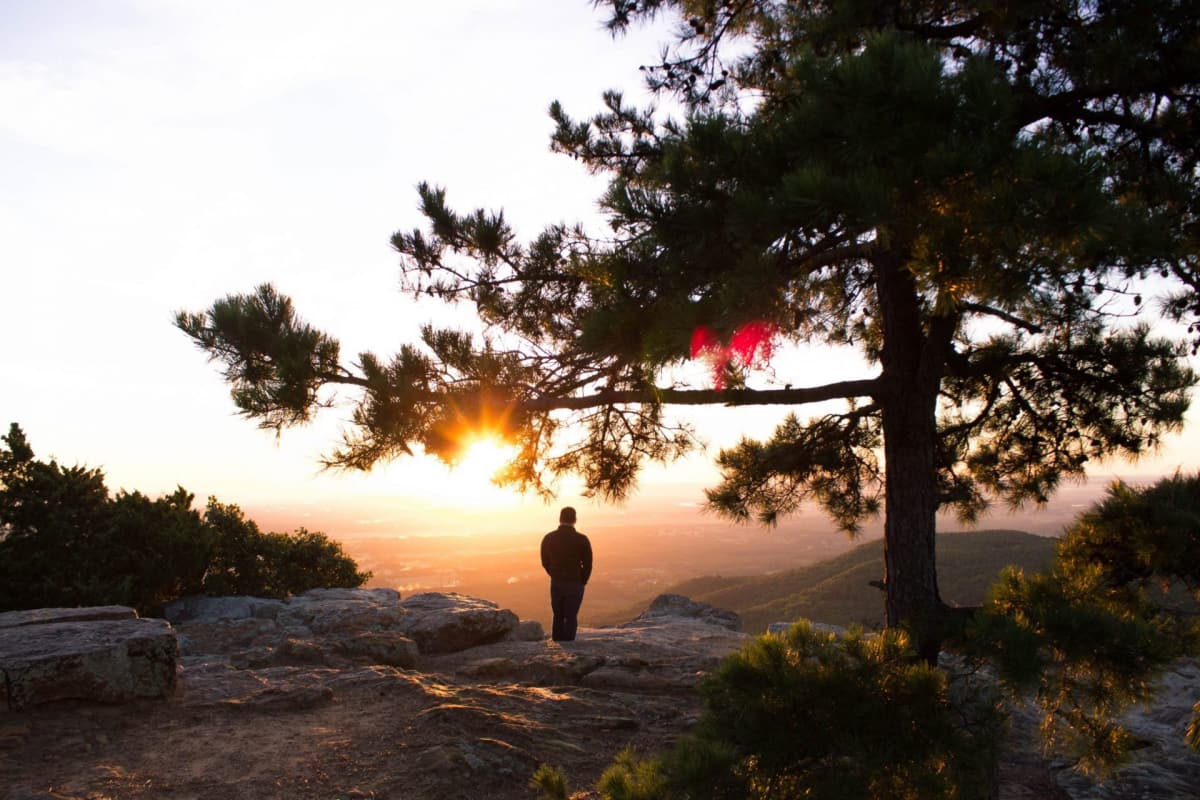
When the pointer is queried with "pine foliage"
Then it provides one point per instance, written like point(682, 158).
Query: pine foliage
point(813, 714)
point(1090, 635)
point(1021, 180)
point(550, 781)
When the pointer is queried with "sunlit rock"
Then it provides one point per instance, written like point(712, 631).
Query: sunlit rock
point(449, 622)
point(342, 627)
point(322, 627)
point(680, 607)
point(343, 612)
point(106, 654)
point(666, 650)
point(389, 648)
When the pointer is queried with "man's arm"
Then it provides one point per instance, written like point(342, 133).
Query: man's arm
point(587, 560)
point(546, 554)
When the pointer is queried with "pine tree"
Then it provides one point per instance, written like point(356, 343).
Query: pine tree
point(977, 197)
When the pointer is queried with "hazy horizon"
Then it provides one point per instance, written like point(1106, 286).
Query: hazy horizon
point(650, 543)
point(669, 505)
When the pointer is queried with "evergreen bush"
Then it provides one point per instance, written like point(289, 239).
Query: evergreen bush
point(65, 542)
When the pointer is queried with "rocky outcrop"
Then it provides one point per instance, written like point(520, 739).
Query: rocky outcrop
point(269, 707)
point(321, 628)
point(204, 609)
point(236, 650)
point(107, 654)
point(340, 628)
point(43, 616)
point(665, 650)
point(676, 606)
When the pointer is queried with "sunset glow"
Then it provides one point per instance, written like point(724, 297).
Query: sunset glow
point(482, 457)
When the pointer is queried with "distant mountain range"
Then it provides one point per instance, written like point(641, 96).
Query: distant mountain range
point(837, 591)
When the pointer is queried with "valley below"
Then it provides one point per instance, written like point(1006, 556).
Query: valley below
point(641, 555)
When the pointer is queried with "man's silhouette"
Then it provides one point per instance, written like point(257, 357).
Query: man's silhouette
point(567, 559)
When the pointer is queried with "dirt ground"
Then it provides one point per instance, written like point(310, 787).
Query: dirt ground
point(374, 732)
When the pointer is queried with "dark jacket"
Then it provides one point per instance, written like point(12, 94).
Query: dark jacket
point(567, 555)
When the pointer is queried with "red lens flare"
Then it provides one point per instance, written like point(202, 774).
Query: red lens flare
point(751, 345)
point(703, 341)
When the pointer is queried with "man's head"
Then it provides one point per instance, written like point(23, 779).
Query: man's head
point(566, 516)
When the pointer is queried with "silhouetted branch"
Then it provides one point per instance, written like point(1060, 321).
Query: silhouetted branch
point(979, 308)
point(729, 397)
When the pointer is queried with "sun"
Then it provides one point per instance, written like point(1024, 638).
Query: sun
point(480, 459)
point(466, 483)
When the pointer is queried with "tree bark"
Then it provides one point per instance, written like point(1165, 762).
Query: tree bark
point(909, 549)
point(912, 364)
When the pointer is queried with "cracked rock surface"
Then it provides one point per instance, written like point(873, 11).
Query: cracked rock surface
point(332, 696)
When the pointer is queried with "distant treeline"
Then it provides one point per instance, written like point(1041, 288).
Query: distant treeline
point(65, 541)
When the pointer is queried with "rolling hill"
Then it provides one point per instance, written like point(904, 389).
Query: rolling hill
point(837, 591)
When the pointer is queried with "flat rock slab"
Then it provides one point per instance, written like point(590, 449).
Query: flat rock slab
point(109, 660)
point(45, 616)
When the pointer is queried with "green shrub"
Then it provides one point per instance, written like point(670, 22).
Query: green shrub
point(158, 549)
point(550, 781)
point(632, 778)
point(1088, 636)
point(244, 560)
point(816, 715)
point(65, 542)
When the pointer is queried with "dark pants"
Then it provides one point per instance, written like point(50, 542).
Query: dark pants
point(565, 599)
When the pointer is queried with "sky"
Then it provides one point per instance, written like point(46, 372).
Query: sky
point(156, 155)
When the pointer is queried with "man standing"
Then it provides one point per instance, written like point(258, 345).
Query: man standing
point(567, 559)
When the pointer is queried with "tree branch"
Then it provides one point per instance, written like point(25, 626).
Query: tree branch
point(729, 397)
point(1004, 315)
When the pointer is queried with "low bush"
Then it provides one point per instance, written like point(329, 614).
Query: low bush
point(65, 541)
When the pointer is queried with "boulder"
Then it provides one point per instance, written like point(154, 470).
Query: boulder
point(342, 627)
point(527, 630)
point(200, 638)
point(448, 622)
point(106, 654)
point(201, 608)
point(322, 627)
point(343, 612)
point(676, 606)
point(388, 648)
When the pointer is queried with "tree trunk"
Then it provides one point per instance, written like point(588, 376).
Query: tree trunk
point(909, 554)
point(912, 361)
